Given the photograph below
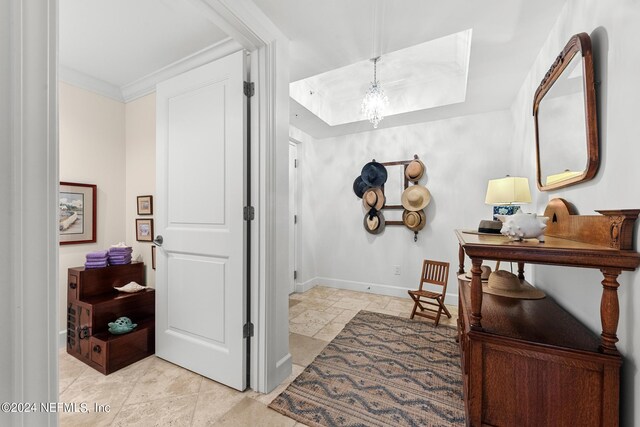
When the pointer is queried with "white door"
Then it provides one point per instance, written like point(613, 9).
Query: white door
point(200, 170)
point(293, 212)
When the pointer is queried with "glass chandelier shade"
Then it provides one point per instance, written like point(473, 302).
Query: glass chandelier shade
point(375, 102)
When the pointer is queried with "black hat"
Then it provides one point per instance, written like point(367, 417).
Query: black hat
point(374, 174)
point(359, 187)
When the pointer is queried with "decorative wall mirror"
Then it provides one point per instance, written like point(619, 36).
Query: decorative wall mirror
point(566, 124)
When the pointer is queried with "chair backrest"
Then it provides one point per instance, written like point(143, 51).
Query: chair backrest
point(435, 273)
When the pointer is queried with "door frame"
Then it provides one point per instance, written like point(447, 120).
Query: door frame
point(270, 360)
point(293, 221)
point(29, 185)
point(31, 114)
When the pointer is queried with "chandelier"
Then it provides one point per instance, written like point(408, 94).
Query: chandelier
point(375, 102)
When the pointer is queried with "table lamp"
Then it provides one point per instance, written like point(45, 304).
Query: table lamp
point(506, 194)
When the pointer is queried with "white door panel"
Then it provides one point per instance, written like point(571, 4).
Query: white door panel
point(201, 283)
point(194, 305)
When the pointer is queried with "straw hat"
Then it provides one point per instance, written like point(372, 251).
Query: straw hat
point(373, 198)
point(414, 170)
point(506, 284)
point(374, 174)
point(414, 221)
point(359, 187)
point(486, 271)
point(415, 198)
point(374, 222)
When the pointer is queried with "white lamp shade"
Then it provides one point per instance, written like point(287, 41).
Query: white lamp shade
point(510, 190)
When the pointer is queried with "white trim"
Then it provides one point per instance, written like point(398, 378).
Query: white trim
point(258, 346)
point(33, 234)
point(304, 287)
point(90, 83)
point(284, 361)
point(372, 288)
point(147, 84)
point(62, 340)
point(242, 20)
point(293, 219)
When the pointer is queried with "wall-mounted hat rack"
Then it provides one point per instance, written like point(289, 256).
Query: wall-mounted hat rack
point(414, 198)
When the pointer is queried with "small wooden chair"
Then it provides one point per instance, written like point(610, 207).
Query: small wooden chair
point(434, 273)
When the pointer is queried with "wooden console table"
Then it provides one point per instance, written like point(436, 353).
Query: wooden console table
point(532, 350)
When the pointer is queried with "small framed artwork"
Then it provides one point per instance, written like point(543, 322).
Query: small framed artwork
point(77, 213)
point(153, 257)
point(144, 230)
point(145, 205)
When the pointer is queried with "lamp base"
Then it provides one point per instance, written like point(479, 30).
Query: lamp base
point(505, 210)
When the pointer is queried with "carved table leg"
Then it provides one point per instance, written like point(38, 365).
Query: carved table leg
point(521, 270)
point(461, 260)
point(476, 294)
point(609, 311)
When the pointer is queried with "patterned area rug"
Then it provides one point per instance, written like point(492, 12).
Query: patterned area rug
point(380, 370)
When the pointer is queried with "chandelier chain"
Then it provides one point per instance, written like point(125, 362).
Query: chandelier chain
point(375, 69)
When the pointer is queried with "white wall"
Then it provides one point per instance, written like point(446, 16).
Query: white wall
point(460, 155)
point(612, 25)
point(92, 151)
point(140, 137)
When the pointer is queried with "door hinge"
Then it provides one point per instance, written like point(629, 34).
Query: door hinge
point(249, 89)
point(247, 330)
point(295, 163)
point(295, 274)
point(249, 213)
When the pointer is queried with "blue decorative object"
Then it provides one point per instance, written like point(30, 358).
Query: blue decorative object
point(122, 325)
point(505, 210)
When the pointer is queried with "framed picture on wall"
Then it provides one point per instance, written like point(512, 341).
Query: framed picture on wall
point(153, 257)
point(145, 205)
point(77, 213)
point(144, 230)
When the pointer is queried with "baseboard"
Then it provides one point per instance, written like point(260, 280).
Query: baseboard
point(304, 287)
point(283, 369)
point(374, 288)
point(62, 339)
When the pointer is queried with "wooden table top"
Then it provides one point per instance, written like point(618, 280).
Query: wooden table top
point(554, 251)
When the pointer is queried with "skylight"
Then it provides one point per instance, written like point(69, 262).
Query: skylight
point(426, 75)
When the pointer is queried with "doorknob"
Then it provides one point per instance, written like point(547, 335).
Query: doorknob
point(158, 240)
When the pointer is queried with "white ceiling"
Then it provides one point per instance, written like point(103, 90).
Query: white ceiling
point(119, 42)
point(427, 75)
point(329, 34)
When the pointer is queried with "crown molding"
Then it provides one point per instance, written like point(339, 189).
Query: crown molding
point(90, 83)
point(147, 84)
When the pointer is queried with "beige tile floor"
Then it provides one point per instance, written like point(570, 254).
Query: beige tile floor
point(153, 392)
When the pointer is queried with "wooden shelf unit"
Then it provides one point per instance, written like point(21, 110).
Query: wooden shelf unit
point(529, 362)
point(92, 303)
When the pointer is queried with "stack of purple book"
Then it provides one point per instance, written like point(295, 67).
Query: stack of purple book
point(120, 254)
point(97, 259)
